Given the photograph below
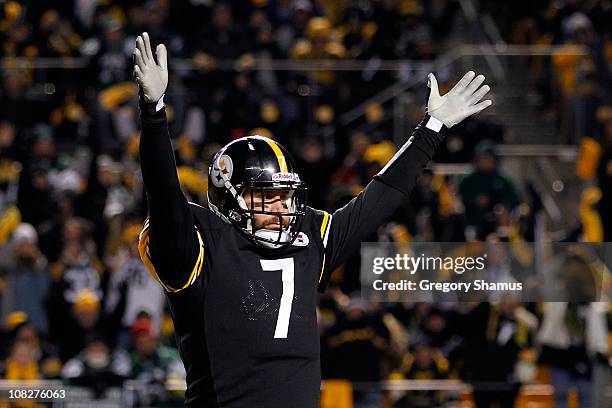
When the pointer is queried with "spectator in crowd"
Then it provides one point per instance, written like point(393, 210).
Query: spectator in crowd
point(106, 199)
point(357, 32)
point(109, 51)
point(352, 171)
point(319, 43)
point(485, 190)
point(24, 270)
point(577, 74)
point(293, 25)
point(97, 367)
point(155, 21)
point(493, 333)
point(354, 347)
point(132, 291)
point(78, 265)
point(422, 363)
point(67, 118)
point(439, 331)
point(222, 39)
point(152, 364)
point(35, 197)
point(574, 343)
point(83, 322)
point(21, 364)
point(20, 330)
point(415, 40)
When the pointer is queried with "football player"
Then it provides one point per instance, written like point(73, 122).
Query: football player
point(241, 274)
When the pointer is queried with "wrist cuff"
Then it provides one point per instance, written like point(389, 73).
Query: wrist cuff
point(160, 103)
point(434, 124)
point(151, 108)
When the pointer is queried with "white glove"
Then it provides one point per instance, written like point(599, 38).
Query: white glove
point(152, 77)
point(460, 102)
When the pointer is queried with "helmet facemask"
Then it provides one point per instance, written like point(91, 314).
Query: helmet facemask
point(255, 201)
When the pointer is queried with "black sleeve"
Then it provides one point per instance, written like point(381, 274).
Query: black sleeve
point(343, 232)
point(170, 245)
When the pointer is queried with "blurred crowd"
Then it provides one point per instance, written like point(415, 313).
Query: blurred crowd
point(575, 80)
point(495, 347)
point(77, 303)
point(573, 85)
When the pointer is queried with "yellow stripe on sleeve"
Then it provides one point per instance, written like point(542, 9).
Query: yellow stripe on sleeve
point(322, 268)
point(145, 256)
point(324, 224)
point(324, 227)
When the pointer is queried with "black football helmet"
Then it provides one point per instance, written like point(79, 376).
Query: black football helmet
point(257, 166)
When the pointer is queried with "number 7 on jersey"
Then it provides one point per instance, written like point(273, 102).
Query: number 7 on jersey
point(285, 265)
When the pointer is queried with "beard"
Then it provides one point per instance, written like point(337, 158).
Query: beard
point(270, 223)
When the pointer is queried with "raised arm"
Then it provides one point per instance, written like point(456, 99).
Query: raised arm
point(170, 245)
point(344, 231)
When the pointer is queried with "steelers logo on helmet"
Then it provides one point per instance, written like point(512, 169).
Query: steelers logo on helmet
point(222, 170)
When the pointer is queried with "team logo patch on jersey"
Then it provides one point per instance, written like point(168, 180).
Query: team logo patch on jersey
point(222, 170)
point(301, 240)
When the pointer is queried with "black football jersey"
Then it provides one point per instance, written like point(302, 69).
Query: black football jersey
point(245, 318)
point(255, 312)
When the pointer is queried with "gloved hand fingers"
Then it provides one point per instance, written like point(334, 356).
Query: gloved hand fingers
point(433, 85)
point(147, 43)
point(473, 86)
point(137, 73)
point(143, 52)
point(139, 60)
point(478, 107)
point(463, 82)
point(162, 56)
point(479, 94)
point(140, 47)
